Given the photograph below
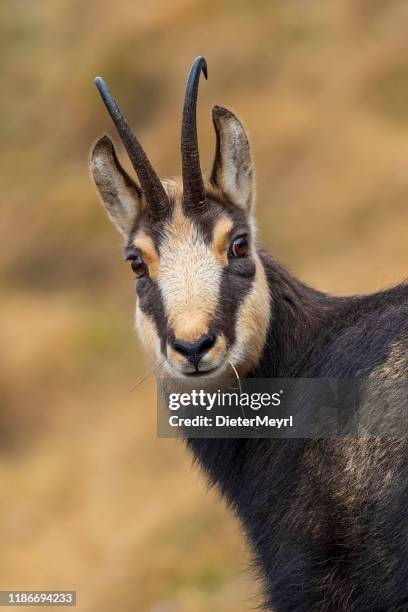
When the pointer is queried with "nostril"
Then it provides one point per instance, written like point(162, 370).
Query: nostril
point(194, 350)
point(206, 342)
point(182, 347)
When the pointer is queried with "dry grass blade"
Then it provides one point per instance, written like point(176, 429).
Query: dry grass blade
point(239, 383)
point(152, 370)
point(237, 375)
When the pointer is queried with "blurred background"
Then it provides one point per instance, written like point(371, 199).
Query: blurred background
point(90, 499)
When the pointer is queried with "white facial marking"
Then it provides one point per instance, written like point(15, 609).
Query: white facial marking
point(189, 279)
point(252, 322)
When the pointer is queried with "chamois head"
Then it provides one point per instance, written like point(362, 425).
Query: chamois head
point(202, 295)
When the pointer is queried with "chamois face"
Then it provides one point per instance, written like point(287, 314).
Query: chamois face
point(202, 296)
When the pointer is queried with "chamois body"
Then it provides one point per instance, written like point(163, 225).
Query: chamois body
point(327, 518)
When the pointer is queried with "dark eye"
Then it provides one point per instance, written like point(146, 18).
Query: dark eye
point(138, 266)
point(240, 247)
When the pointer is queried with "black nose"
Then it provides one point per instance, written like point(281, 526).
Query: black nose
point(194, 351)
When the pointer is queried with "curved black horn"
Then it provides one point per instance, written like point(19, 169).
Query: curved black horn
point(151, 185)
point(193, 185)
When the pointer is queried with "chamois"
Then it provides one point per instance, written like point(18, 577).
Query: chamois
point(326, 519)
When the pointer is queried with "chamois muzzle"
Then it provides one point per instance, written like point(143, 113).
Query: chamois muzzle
point(193, 185)
point(150, 183)
point(194, 351)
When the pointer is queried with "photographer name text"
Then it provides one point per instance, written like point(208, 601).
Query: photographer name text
point(226, 421)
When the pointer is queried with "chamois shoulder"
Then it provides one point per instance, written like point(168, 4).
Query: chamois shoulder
point(370, 339)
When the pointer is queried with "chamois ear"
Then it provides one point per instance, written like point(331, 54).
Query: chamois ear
point(120, 195)
point(232, 171)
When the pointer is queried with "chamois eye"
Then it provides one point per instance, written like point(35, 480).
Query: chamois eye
point(138, 266)
point(240, 247)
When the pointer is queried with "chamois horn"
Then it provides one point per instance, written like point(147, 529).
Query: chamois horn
point(193, 185)
point(150, 183)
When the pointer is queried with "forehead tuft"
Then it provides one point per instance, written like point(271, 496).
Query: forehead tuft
point(174, 189)
point(179, 226)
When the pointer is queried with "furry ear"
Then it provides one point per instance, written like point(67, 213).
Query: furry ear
point(120, 195)
point(233, 171)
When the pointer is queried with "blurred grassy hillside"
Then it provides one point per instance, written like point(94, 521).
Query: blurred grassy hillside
point(90, 499)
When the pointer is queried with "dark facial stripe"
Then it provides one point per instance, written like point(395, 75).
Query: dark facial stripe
point(236, 283)
point(155, 230)
point(151, 304)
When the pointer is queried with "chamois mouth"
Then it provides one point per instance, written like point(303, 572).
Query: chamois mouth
point(201, 373)
point(210, 372)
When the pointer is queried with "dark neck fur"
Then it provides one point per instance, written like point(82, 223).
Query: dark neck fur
point(297, 315)
point(304, 322)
